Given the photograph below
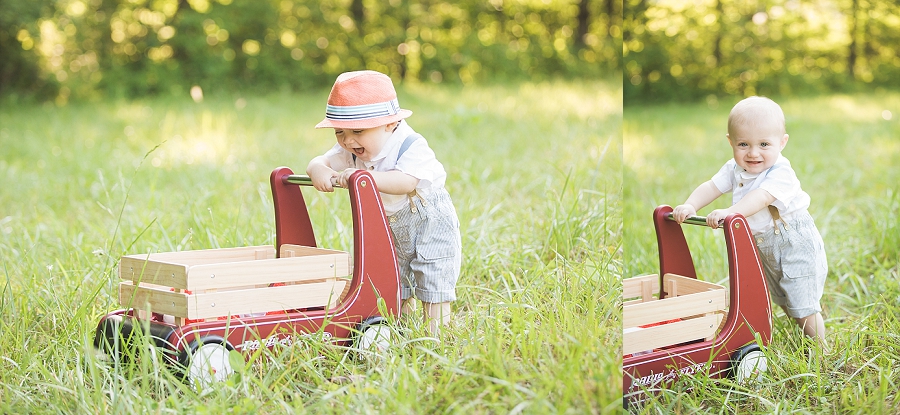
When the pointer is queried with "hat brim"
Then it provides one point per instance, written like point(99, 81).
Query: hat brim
point(367, 123)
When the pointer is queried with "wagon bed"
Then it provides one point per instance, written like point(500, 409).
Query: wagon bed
point(691, 310)
point(213, 283)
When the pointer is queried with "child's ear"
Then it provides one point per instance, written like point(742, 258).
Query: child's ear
point(784, 141)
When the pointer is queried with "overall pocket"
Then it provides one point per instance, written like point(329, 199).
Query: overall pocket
point(440, 233)
point(798, 258)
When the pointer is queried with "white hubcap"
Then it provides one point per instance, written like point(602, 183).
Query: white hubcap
point(375, 338)
point(751, 366)
point(209, 364)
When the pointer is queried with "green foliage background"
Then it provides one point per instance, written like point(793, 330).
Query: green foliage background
point(87, 48)
point(679, 50)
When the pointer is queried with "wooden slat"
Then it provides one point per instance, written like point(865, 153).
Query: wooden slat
point(290, 251)
point(261, 300)
point(152, 272)
point(671, 308)
point(632, 287)
point(153, 298)
point(688, 285)
point(209, 256)
point(232, 302)
point(237, 274)
point(668, 334)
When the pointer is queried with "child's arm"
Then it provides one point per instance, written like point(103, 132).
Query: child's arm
point(321, 173)
point(703, 195)
point(753, 202)
point(394, 182)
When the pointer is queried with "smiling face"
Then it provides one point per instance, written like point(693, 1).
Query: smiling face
point(756, 133)
point(364, 143)
point(756, 151)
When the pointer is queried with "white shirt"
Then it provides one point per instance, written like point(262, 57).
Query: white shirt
point(779, 180)
point(418, 161)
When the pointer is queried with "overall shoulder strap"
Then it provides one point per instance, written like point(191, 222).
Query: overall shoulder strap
point(774, 212)
point(406, 143)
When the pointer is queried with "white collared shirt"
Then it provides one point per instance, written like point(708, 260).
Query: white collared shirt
point(779, 180)
point(418, 161)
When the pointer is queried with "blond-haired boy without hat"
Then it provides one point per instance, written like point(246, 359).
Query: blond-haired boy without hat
point(372, 134)
point(766, 190)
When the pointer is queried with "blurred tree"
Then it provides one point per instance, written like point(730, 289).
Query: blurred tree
point(879, 62)
point(708, 48)
point(82, 48)
point(584, 20)
point(854, 24)
point(358, 11)
point(19, 64)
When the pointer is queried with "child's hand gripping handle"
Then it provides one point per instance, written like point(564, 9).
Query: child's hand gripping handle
point(693, 220)
point(304, 180)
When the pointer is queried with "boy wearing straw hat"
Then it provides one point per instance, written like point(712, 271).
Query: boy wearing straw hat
point(372, 135)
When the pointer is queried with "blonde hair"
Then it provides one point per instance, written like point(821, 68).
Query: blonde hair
point(756, 112)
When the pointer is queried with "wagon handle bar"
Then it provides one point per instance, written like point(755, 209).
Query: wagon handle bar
point(693, 220)
point(304, 180)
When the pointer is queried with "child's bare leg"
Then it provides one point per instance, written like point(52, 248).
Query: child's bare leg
point(437, 315)
point(813, 326)
point(407, 306)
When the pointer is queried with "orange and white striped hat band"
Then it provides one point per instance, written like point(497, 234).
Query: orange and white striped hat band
point(362, 112)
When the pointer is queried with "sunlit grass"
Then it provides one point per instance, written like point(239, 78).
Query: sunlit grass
point(845, 152)
point(534, 172)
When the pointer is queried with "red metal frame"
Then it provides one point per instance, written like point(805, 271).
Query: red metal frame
point(749, 310)
point(376, 276)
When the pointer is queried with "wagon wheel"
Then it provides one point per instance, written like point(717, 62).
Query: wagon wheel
point(373, 336)
point(748, 362)
point(208, 361)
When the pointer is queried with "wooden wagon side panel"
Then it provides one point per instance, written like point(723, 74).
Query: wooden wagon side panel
point(171, 268)
point(231, 302)
point(634, 315)
point(213, 269)
point(646, 339)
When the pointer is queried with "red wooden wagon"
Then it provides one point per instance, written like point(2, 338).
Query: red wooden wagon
point(673, 322)
point(199, 305)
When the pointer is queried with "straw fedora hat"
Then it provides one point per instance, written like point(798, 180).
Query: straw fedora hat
point(362, 99)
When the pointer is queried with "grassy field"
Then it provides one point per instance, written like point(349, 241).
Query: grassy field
point(845, 151)
point(534, 171)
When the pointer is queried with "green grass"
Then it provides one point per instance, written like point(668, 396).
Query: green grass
point(534, 171)
point(846, 156)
